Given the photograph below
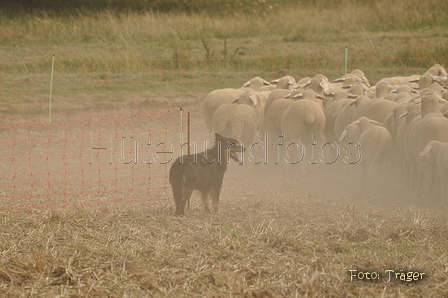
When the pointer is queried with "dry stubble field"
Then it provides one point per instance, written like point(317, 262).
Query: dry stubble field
point(279, 234)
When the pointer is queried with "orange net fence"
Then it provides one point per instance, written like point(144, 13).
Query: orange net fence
point(116, 160)
point(124, 159)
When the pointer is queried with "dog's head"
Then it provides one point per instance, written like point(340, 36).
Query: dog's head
point(230, 147)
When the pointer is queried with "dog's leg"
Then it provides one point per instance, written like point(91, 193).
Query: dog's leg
point(214, 195)
point(180, 203)
point(206, 200)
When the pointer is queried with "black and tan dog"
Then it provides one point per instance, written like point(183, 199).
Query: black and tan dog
point(204, 172)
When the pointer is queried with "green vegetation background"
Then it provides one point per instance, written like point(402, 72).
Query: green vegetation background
point(113, 50)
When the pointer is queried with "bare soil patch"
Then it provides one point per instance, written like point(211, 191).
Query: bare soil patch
point(280, 234)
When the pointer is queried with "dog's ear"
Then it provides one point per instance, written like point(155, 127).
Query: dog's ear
point(218, 136)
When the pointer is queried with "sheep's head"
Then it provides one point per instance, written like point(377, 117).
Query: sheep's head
point(360, 74)
point(255, 83)
point(323, 83)
point(248, 98)
point(286, 82)
point(309, 94)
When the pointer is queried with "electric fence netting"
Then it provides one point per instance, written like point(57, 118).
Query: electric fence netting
point(125, 159)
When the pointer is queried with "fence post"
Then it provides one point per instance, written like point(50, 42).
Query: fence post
point(188, 132)
point(51, 86)
point(181, 121)
point(346, 58)
point(188, 147)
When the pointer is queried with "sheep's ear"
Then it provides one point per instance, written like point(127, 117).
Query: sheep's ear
point(306, 84)
point(415, 80)
point(426, 150)
point(275, 81)
point(247, 84)
point(365, 81)
point(440, 80)
point(324, 86)
point(298, 95)
point(254, 99)
point(323, 83)
point(347, 87)
point(356, 122)
point(389, 116)
point(343, 135)
point(236, 100)
point(375, 122)
point(320, 97)
point(288, 95)
point(266, 83)
point(352, 96)
point(218, 136)
point(405, 113)
point(339, 80)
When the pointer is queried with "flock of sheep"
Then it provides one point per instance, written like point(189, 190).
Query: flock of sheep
point(399, 124)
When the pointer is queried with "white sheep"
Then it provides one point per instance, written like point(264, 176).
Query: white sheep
point(344, 114)
point(333, 104)
point(376, 147)
point(239, 119)
point(255, 84)
point(274, 114)
point(404, 94)
point(284, 87)
point(437, 70)
point(222, 96)
point(319, 83)
point(398, 80)
point(354, 130)
point(431, 126)
point(303, 124)
point(356, 75)
point(435, 155)
point(375, 109)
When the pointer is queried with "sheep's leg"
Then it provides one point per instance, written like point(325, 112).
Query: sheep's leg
point(364, 168)
point(413, 178)
point(421, 183)
point(444, 190)
point(432, 181)
point(302, 158)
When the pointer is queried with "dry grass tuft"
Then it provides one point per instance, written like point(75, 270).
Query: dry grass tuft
point(258, 247)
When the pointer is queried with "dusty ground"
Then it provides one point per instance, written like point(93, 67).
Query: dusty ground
point(280, 234)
